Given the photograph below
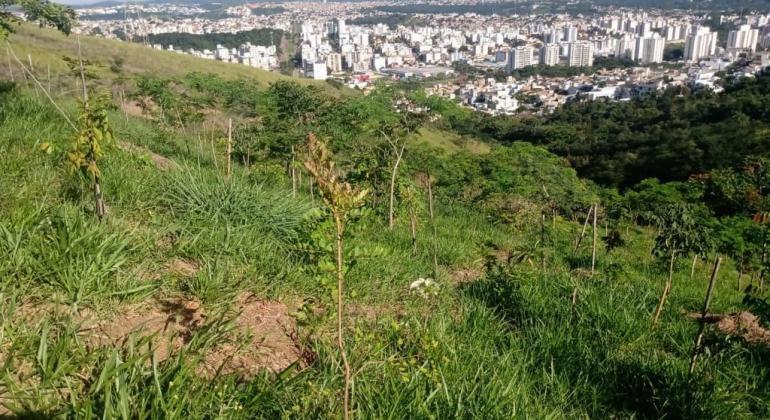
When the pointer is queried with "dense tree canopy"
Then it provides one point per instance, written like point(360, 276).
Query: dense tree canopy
point(43, 11)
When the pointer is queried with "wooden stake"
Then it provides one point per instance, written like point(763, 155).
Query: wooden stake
point(585, 227)
point(666, 290)
point(229, 148)
point(593, 242)
point(82, 72)
point(433, 224)
point(699, 337)
point(692, 269)
point(47, 94)
point(542, 241)
point(293, 175)
point(10, 68)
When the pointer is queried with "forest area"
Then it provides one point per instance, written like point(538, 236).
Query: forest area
point(208, 245)
point(183, 41)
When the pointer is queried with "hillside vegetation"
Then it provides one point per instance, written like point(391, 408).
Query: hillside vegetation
point(256, 239)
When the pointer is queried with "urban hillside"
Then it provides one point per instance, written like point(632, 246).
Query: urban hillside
point(182, 238)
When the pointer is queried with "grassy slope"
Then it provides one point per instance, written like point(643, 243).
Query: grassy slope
point(505, 344)
point(46, 47)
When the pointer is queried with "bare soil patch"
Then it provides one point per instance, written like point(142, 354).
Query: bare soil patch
point(182, 267)
point(264, 335)
point(744, 325)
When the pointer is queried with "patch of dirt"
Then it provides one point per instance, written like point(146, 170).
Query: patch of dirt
point(171, 321)
point(465, 275)
point(743, 324)
point(161, 162)
point(183, 268)
point(265, 337)
point(132, 108)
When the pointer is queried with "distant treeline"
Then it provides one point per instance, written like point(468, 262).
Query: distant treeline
point(267, 11)
point(670, 136)
point(183, 41)
point(392, 20)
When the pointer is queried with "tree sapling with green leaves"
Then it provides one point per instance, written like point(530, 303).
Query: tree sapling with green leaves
point(94, 133)
point(341, 198)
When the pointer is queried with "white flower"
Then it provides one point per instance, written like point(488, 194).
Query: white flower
point(424, 287)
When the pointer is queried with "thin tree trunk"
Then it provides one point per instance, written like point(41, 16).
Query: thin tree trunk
point(433, 225)
point(312, 195)
point(585, 227)
point(399, 154)
point(340, 313)
point(414, 234)
point(740, 277)
point(666, 290)
point(98, 201)
point(593, 242)
point(699, 337)
point(692, 269)
point(229, 148)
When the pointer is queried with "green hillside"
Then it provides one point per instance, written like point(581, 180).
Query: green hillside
point(47, 47)
point(468, 290)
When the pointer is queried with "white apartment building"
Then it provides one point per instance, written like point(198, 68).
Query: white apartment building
point(520, 57)
point(650, 49)
point(549, 54)
point(700, 44)
point(334, 62)
point(744, 38)
point(581, 54)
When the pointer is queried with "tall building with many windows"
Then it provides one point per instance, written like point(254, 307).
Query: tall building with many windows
point(744, 38)
point(549, 54)
point(520, 57)
point(649, 49)
point(581, 54)
point(700, 44)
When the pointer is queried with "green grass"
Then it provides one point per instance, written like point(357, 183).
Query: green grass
point(451, 142)
point(508, 344)
point(46, 47)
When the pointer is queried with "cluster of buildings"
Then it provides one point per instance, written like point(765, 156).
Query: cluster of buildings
point(257, 56)
point(329, 44)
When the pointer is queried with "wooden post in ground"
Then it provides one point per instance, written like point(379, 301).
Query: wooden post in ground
point(542, 242)
point(593, 243)
point(10, 68)
point(293, 175)
point(666, 290)
point(229, 148)
point(692, 269)
point(433, 225)
point(699, 337)
point(585, 227)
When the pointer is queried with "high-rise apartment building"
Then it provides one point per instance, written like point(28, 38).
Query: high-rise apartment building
point(744, 38)
point(549, 54)
point(581, 54)
point(700, 44)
